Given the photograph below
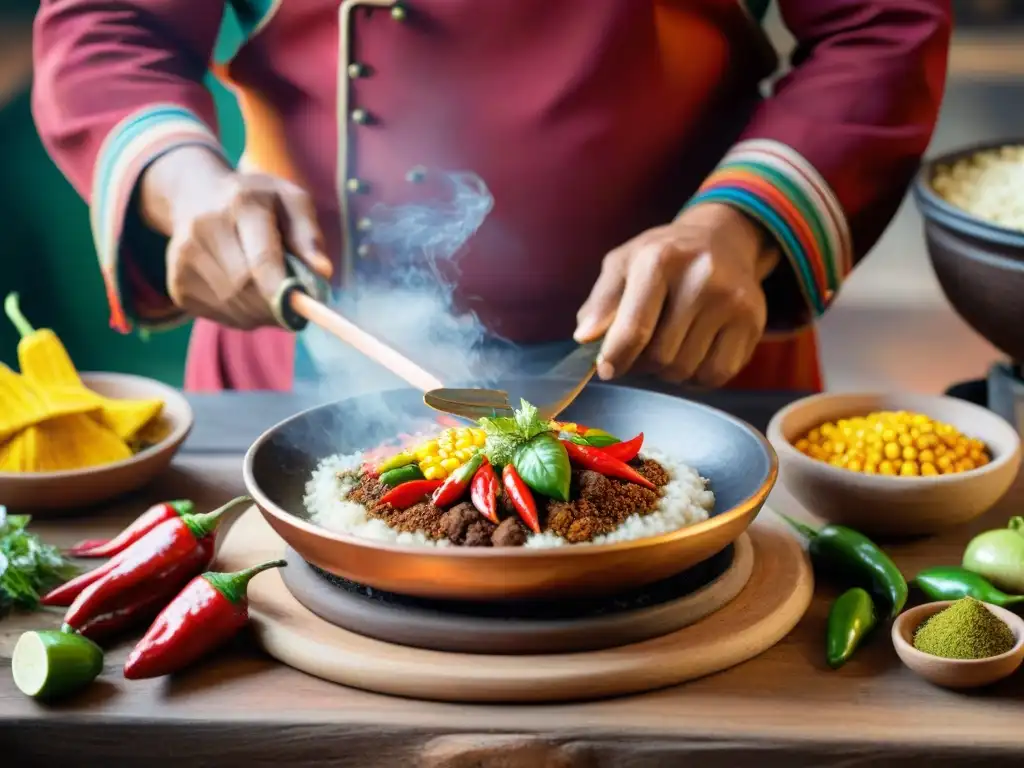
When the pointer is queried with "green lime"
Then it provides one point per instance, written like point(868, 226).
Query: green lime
point(52, 663)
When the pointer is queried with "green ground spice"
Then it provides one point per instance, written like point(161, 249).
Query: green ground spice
point(964, 630)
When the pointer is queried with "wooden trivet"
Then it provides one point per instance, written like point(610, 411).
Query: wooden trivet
point(524, 627)
point(769, 606)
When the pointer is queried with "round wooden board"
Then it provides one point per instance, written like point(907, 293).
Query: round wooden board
point(559, 628)
point(774, 600)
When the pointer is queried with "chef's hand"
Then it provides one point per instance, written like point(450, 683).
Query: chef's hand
point(228, 234)
point(683, 301)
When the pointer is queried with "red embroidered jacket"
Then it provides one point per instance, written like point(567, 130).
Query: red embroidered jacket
point(588, 124)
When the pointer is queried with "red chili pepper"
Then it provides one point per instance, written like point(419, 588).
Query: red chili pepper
point(625, 451)
point(142, 525)
point(66, 593)
point(597, 460)
point(405, 495)
point(160, 554)
point(206, 613)
point(484, 490)
point(521, 497)
point(457, 483)
point(139, 606)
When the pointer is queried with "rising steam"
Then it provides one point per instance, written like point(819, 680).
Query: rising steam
point(414, 313)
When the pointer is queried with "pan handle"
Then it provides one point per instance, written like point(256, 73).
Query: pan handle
point(300, 278)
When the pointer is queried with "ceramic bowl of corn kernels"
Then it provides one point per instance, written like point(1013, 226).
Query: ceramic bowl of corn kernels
point(894, 464)
point(47, 466)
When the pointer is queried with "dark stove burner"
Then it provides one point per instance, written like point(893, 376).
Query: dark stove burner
point(1002, 392)
point(553, 610)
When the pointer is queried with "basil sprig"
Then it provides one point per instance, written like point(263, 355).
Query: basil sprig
point(543, 463)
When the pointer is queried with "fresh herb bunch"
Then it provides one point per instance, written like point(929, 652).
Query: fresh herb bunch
point(528, 442)
point(28, 567)
point(506, 433)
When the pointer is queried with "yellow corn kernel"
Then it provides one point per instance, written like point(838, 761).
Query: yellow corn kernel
point(426, 448)
point(435, 473)
point(463, 443)
point(909, 469)
point(928, 469)
point(479, 438)
point(886, 468)
point(450, 464)
point(891, 451)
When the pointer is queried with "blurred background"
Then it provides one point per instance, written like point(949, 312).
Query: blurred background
point(891, 327)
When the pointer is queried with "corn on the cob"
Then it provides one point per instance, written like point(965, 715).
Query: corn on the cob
point(44, 360)
point(451, 449)
point(23, 404)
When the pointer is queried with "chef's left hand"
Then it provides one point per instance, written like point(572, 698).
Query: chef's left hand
point(683, 301)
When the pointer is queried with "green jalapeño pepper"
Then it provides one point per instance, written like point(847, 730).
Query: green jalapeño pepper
point(854, 559)
point(850, 620)
point(401, 475)
point(953, 582)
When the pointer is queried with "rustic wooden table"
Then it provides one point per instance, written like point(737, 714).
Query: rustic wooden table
point(784, 708)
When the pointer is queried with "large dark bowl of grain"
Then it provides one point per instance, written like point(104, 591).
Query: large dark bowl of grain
point(972, 201)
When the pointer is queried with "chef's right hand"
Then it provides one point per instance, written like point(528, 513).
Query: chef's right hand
point(228, 235)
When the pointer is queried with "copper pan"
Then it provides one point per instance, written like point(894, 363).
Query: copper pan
point(738, 460)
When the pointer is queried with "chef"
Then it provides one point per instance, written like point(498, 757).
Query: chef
point(644, 188)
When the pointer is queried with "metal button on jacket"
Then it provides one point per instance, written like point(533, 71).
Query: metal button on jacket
point(364, 251)
point(416, 175)
point(357, 186)
point(356, 70)
point(361, 116)
point(398, 12)
point(365, 224)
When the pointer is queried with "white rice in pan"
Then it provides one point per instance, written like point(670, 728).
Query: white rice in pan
point(685, 500)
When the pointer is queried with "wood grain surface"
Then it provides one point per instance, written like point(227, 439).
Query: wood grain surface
point(774, 600)
point(783, 708)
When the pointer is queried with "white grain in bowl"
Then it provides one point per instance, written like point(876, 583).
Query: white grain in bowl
point(986, 184)
point(685, 500)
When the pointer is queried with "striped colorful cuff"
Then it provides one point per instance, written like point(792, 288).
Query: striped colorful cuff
point(775, 185)
point(128, 149)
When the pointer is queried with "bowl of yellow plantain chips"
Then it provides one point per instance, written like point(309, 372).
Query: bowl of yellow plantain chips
point(69, 440)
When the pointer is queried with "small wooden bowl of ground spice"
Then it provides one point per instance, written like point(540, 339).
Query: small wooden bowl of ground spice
point(960, 644)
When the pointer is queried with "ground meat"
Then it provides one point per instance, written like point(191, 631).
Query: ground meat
point(600, 505)
point(591, 485)
point(480, 533)
point(511, 533)
point(653, 471)
point(419, 517)
point(462, 524)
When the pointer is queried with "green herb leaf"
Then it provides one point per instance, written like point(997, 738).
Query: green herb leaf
point(498, 425)
point(28, 567)
point(505, 434)
point(543, 464)
point(529, 422)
